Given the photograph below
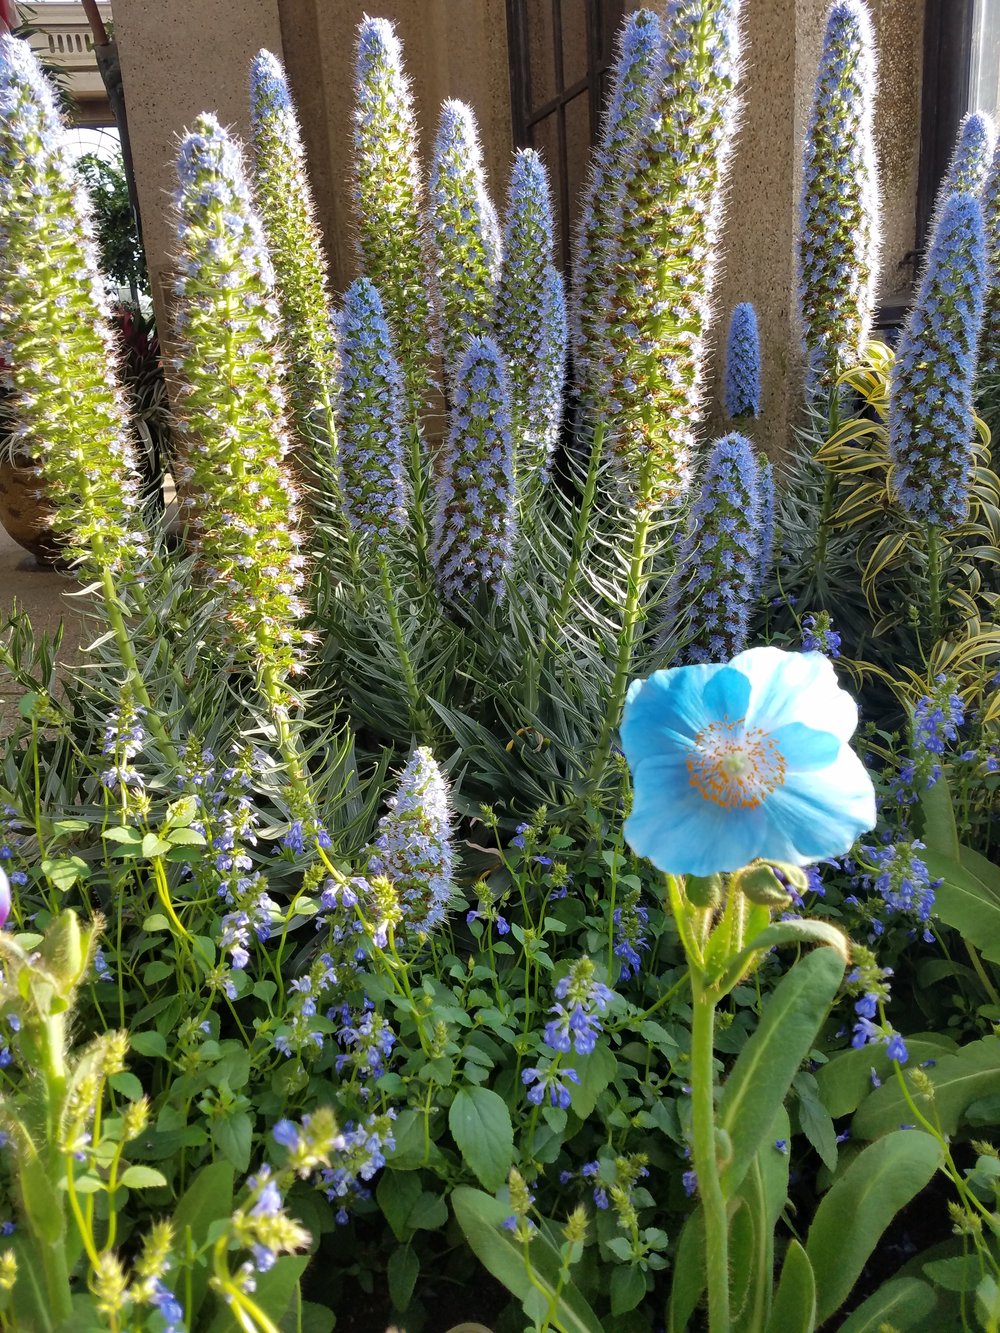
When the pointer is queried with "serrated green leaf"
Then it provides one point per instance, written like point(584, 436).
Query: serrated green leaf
point(402, 1271)
point(142, 1178)
point(480, 1125)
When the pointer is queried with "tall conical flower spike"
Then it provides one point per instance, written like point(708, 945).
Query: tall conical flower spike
point(636, 76)
point(413, 847)
point(717, 578)
point(465, 233)
point(295, 245)
point(840, 236)
point(474, 517)
point(970, 158)
point(989, 359)
point(742, 379)
point(55, 328)
point(370, 417)
point(531, 317)
point(930, 402)
point(389, 198)
point(238, 498)
point(661, 251)
point(765, 494)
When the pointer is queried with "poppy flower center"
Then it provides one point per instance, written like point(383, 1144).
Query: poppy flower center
point(734, 766)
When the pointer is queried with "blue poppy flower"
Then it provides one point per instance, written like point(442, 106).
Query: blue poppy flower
point(746, 759)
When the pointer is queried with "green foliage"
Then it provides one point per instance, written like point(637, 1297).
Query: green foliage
point(122, 256)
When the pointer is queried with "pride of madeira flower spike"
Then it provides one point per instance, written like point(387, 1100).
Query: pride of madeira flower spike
point(930, 402)
point(531, 318)
point(635, 81)
point(238, 498)
point(474, 516)
point(55, 329)
point(295, 246)
point(389, 199)
point(717, 579)
point(465, 233)
point(742, 378)
point(661, 250)
point(749, 759)
point(839, 240)
point(989, 361)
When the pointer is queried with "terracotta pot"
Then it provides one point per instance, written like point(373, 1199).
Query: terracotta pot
point(24, 511)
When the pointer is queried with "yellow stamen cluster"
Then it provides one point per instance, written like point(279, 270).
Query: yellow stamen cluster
point(735, 766)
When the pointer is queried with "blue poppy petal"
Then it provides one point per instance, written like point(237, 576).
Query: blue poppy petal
point(680, 831)
point(821, 814)
point(727, 695)
point(664, 712)
point(804, 749)
point(795, 687)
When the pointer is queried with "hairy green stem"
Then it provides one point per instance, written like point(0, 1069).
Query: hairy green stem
point(706, 1167)
point(419, 720)
point(934, 580)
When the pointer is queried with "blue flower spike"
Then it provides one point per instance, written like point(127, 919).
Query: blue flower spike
point(749, 759)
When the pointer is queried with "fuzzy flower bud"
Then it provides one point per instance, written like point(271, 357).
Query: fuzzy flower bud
point(663, 245)
point(389, 199)
point(413, 847)
point(635, 80)
point(55, 330)
point(238, 497)
point(531, 317)
point(742, 382)
point(465, 233)
point(716, 581)
point(839, 243)
point(295, 245)
point(370, 417)
point(970, 159)
point(474, 519)
point(930, 405)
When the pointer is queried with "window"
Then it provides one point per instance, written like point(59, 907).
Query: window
point(560, 52)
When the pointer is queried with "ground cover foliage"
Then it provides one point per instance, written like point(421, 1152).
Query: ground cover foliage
point(330, 978)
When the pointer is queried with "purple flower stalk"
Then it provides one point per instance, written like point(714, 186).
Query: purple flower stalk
point(840, 229)
point(531, 319)
point(936, 720)
point(389, 199)
point(819, 636)
point(55, 329)
point(717, 579)
point(474, 519)
point(549, 1080)
point(413, 848)
point(635, 80)
point(580, 999)
point(989, 364)
point(465, 233)
point(662, 249)
point(237, 497)
point(370, 408)
point(766, 498)
point(930, 404)
point(741, 393)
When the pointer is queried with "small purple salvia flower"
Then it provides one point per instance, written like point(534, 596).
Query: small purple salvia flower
point(531, 319)
point(370, 407)
point(930, 403)
point(580, 999)
point(413, 848)
point(717, 578)
point(549, 1081)
point(840, 228)
point(474, 520)
point(819, 636)
point(464, 231)
point(741, 393)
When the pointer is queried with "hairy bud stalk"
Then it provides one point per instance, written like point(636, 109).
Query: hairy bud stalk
point(474, 518)
point(531, 319)
point(930, 404)
point(55, 330)
point(236, 494)
point(717, 579)
point(661, 250)
point(295, 245)
point(389, 200)
point(465, 234)
point(840, 237)
point(741, 392)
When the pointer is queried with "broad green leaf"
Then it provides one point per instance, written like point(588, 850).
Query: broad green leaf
point(480, 1124)
point(65, 871)
point(815, 1120)
point(761, 1077)
point(846, 1080)
point(481, 1219)
point(940, 830)
point(154, 845)
point(596, 1071)
point(232, 1135)
point(688, 1277)
point(960, 1273)
point(208, 1198)
point(960, 1079)
point(794, 1309)
point(628, 1287)
point(900, 1304)
point(860, 1205)
point(142, 1178)
point(396, 1193)
point(968, 899)
point(402, 1271)
point(124, 835)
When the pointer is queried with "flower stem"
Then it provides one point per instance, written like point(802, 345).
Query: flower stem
point(418, 710)
point(706, 1168)
point(934, 580)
